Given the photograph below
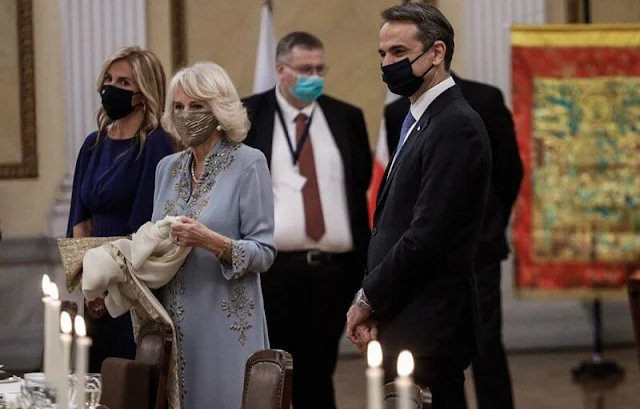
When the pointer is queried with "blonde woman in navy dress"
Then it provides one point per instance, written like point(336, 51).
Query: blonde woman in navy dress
point(115, 173)
point(221, 191)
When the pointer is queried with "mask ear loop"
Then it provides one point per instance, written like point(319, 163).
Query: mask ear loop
point(432, 65)
point(427, 71)
point(143, 103)
point(423, 53)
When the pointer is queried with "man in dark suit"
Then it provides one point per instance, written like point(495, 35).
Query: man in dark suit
point(320, 162)
point(490, 369)
point(420, 292)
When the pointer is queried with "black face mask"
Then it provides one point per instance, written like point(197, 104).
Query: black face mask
point(400, 79)
point(117, 101)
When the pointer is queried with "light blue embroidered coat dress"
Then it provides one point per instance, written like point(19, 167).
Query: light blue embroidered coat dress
point(217, 307)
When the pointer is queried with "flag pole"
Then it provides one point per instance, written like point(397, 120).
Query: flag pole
point(597, 368)
point(264, 77)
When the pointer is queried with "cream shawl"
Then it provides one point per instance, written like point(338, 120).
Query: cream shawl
point(129, 269)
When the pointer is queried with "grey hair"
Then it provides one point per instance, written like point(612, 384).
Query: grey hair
point(432, 25)
point(209, 83)
point(297, 39)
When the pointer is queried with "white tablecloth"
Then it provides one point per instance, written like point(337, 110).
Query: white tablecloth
point(10, 391)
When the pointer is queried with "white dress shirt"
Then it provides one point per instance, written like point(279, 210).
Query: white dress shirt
point(422, 103)
point(290, 230)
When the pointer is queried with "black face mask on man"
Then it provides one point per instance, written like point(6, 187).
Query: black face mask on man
point(117, 101)
point(400, 79)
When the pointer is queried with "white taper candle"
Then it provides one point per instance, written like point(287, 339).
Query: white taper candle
point(404, 380)
point(374, 376)
point(46, 300)
point(52, 331)
point(62, 395)
point(83, 343)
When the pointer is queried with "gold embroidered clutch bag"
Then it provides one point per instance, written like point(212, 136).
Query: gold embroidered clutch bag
point(72, 252)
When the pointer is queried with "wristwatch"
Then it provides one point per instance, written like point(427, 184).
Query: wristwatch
point(361, 300)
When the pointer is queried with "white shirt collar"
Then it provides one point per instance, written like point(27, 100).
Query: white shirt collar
point(289, 111)
point(423, 102)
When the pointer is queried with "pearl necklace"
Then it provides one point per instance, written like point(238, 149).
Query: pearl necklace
point(193, 173)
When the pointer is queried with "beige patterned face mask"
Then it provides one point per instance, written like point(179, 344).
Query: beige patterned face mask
point(194, 128)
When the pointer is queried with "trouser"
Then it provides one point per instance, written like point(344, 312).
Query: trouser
point(306, 302)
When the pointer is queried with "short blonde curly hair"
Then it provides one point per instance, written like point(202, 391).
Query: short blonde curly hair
point(209, 83)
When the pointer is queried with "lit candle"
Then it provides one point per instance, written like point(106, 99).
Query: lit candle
point(51, 329)
point(62, 396)
point(46, 300)
point(404, 381)
point(82, 358)
point(374, 375)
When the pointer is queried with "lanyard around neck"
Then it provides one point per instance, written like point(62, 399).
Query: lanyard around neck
point(295, 153)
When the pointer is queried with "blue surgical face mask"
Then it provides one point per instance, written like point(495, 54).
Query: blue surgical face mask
point(308, 87)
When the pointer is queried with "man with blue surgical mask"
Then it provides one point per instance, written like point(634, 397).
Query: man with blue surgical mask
point(318, 151)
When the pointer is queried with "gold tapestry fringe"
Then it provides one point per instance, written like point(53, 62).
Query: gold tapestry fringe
point(576, 35)
point(566, 294)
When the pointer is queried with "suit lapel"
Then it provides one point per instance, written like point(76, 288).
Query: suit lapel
point(383, 183)
point(415, 134)
point(436, 106)
point(264, 123)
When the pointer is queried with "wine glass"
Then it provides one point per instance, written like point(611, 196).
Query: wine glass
point(35, 390)
point(92, 391)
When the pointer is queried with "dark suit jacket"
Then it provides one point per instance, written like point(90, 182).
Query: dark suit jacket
point(421, 280)
point(348, 128)
point(506, 174)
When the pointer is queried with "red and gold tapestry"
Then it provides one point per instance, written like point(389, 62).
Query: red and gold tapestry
point(576, 106)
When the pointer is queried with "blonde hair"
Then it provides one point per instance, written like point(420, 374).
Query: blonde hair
point(149, 76)
point(209, 83)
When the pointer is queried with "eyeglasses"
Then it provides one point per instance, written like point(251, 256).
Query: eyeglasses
point(320, 70)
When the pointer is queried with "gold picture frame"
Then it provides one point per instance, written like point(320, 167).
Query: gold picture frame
point(178, 46)
point(26, 165)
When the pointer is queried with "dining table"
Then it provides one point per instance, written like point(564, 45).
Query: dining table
point(10, 391)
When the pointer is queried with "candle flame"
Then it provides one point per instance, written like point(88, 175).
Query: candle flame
point(81, 330)
point(405, 363)
point(374, 354)
point(53, 291)
point(46, 282)
point(65, 322)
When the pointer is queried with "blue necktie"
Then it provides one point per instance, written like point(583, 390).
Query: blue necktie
point(409, 120)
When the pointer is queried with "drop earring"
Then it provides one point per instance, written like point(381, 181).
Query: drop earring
point(218, 128)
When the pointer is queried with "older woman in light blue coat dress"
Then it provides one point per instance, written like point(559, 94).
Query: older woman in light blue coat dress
point(221, 189)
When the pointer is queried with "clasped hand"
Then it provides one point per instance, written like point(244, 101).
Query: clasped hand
point(361, 329)
point(96, 308)
point(187, 232)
